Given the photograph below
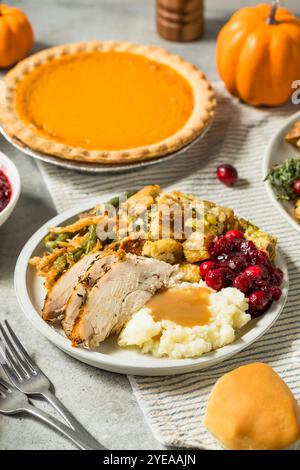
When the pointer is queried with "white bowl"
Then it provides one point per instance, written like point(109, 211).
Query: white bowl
point(10, 170)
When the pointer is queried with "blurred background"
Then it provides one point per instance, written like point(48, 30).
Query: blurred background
point(62, 21)
point(231, 5)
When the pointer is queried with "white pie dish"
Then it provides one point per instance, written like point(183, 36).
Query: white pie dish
point(11, 172)
point(109, 356)
point(277, 152)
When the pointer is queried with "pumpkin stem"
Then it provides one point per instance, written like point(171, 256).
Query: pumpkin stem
point(272, 18)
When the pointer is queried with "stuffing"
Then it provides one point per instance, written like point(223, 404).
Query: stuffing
point(168, 250)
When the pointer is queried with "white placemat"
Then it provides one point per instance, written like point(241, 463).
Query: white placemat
point(174, 406)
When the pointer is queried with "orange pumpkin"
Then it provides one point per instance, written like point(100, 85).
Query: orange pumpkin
point(16, 35)
point(258, 54)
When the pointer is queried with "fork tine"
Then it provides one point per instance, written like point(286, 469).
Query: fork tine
point(9, 373)
point(9, 366)
point(4, 385)
point(18, 360)
point(2, 389)
point(21, 348)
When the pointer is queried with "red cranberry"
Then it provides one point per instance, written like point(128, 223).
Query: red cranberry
point(237, 261)
point(262, 285)
point(259, 301)
point(229, 276)
point(261, 257)
point(296, 187)
point(215, 279)
point(223, 259)
point(242, 283)
point(277, 276)
point(5, 191)
point(220, 246)
point(248, 247)
point(256, 273)
point(232, 234)
point(275, 292)
point(227, 174)
point(205, 267)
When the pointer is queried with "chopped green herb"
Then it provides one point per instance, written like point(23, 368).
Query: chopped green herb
point(282, 178)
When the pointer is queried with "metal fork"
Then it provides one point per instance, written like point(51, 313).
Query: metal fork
point(28, 378)
point(12, 401)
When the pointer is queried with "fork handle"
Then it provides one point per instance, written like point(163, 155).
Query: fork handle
point(78, 439)
point(69, 418)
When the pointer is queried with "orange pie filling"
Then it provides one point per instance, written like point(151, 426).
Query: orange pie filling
point(104, 100)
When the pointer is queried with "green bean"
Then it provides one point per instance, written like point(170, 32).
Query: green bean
point(62, 237)
point(92, 238)
point(60, 264)
point(51, 240)
point(76, 254)
point(115, 201)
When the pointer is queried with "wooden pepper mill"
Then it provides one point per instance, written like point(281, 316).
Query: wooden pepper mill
point(180, 20)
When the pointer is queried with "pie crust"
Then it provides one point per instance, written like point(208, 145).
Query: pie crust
point(26, 134)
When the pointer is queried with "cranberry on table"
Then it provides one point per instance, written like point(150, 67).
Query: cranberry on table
point(205, 267)
point(259, 301)
point(215, 279)
point(232, 234)
point(227, 174)
point(296, 187)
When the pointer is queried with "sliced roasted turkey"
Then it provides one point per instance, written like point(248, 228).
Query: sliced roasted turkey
point(96, 270)
point(123, 290)
point(58, 296)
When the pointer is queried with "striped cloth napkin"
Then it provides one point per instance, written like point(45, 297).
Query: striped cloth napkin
point(174, 406)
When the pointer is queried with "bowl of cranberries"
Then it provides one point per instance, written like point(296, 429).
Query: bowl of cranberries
point(10, 187)
point(237, 262)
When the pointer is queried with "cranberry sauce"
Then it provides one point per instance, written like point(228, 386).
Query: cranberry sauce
point(236, 262)
point(5, 191)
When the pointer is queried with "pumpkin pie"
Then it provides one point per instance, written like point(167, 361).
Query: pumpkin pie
point(106, 102)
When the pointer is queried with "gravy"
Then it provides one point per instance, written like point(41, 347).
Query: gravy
point(185, 306)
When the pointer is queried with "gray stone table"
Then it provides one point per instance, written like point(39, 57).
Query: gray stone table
point(102, 401)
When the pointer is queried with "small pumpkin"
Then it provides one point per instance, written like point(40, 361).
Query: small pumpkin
point(16, 35)
point(258, 54)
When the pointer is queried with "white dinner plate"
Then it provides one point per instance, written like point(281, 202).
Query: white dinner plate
point(277, 152)
point(109, 356)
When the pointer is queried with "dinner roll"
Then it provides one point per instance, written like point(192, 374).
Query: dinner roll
point(252, 408)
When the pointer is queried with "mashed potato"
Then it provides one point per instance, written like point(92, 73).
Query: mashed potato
point(166, 338)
